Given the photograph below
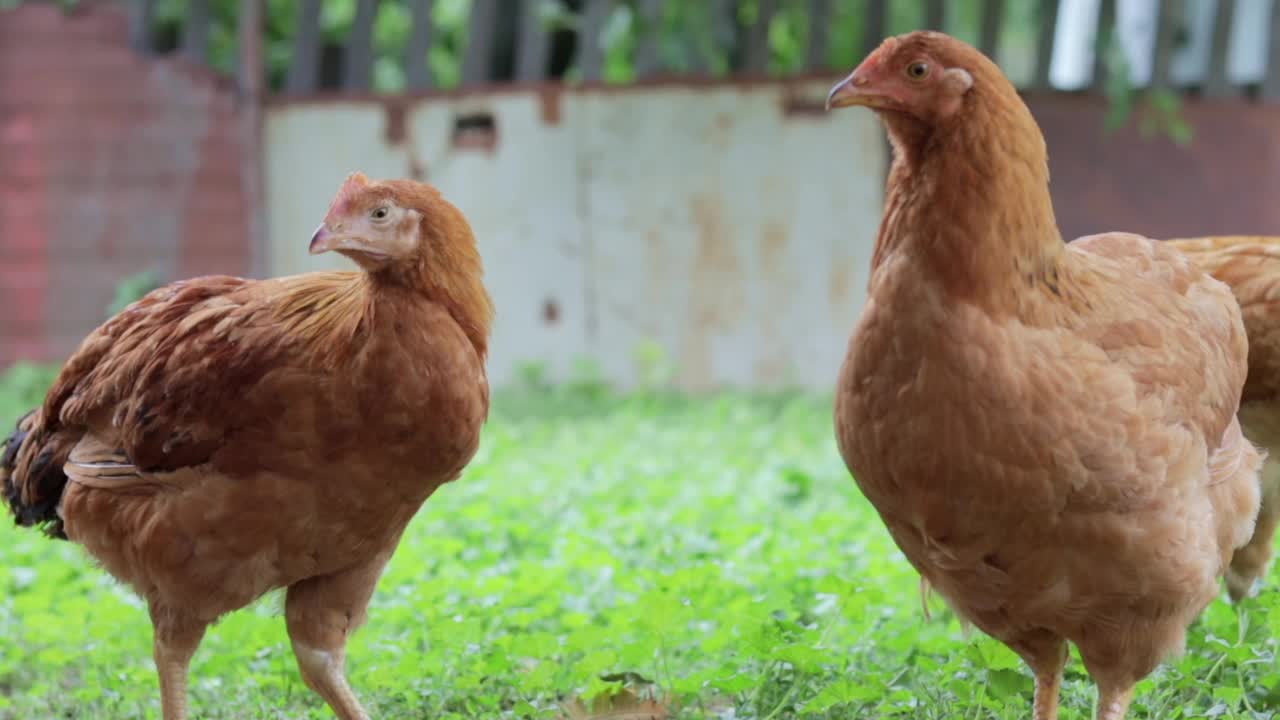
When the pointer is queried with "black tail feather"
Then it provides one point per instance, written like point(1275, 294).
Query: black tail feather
point(33, 492)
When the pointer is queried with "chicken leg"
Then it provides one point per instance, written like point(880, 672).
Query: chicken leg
point(176, 637)
point(1113, 702)
point(1047, 655)
point(321, 613)
point(1250, 562)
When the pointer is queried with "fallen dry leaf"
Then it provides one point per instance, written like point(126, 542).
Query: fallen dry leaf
point(622, 705)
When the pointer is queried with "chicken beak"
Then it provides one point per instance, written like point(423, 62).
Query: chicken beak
point(851, 91)
point(322, 240)
point(341, 240)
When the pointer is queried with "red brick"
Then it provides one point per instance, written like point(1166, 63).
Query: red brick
point(98, 180)
point(90, 19)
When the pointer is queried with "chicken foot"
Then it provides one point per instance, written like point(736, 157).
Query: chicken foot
point(321, 613)
point(176, 637)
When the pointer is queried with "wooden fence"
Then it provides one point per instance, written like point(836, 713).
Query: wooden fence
point(512, 41)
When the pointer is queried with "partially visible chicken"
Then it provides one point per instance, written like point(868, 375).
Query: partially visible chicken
point(223, 437)
point(1047, 430)
point(1251, 267)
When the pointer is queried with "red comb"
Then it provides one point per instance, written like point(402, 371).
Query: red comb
point(354, 183)
point(877, 56)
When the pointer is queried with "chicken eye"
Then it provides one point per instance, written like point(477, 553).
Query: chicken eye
point(917, 70)
point(381, 213)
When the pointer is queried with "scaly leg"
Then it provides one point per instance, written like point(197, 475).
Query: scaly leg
point(1048, 687)
point(176, 637)
point(1113, 702)
point(1047, 655)
point(321, 613)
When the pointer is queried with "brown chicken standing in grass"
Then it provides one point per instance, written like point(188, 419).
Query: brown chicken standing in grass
point(1048, 430)
point(223, 437)
point(1250, 266)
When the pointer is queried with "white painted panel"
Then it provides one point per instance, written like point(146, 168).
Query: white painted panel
point(521, 200)
point(705, 219)
point(732, 234)
point(310, 149)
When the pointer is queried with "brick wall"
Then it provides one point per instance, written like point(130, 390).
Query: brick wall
point(1224, 183)
point(110, 164)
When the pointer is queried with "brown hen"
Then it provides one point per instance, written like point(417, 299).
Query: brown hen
point(1250, 266)
point(1048, 430)
point(223, 437)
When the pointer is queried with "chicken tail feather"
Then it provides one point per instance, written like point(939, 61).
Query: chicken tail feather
point(1237, 485)
point(31, 475)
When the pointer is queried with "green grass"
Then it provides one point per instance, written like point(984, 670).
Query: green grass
point(715, 546)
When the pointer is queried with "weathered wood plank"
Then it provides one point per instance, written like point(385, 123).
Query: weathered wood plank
point(935, 15)
point(478, 59)
point(722, 23)
point(531, 58)
point(992, 21)
point(250, 63)
point(1101, 42)
point(1048, 21)
point(1271, 85)
point(358, 64)
point(304, 64)
point(647, 62)
point(756, 60)
point(875, 27)
point(195, 32)
point(590, 46)
point(251, 78)
point(141, 15)
point(1168, 18)
point(819, 31)
point(417, 68)
point(1216, 82)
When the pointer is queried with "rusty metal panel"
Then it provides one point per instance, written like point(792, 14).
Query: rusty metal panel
point(730, 224)
point(732, 232)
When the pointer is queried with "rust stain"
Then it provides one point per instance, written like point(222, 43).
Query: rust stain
point(840, 283)
point(716, 295)
point(772, 363)
point(416, 169)
point(550, 311)
point(796, 102)
point(773, 244)
point(395, 129)
point(771, 368)
point(549, 105)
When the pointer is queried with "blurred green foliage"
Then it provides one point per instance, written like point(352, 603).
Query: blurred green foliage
point(713, 545)
point(690, 35)
point(22, 387)
point(132, 288)
point(1158, 111)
